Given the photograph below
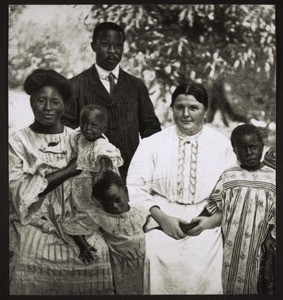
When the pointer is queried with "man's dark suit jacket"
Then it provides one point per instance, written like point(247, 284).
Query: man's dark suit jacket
point(130, 110)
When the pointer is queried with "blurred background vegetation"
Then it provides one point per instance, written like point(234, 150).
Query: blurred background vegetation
point(231, 49)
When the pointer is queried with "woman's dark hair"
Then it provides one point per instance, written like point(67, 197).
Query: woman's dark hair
point(108, 179)
point(244, 129)
point(40, 78)
point(106, 26)
point(193, 88)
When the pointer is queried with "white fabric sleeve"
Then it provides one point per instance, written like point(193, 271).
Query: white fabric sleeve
point(74, 136)
point(24, 186)
point(105, 149)
point(140, 175)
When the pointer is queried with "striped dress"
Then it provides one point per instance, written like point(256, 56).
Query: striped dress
point(45, 260)
point(247, 202)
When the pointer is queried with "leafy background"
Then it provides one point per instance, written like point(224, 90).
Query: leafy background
point(231, 49)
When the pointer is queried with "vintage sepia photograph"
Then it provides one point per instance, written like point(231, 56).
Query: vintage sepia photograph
point(142, 149)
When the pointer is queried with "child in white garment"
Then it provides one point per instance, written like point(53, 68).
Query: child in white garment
point(122, 228)
point(95, 153)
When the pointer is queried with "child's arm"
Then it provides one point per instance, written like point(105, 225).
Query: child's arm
point(108, 157)
point(105, 163)
point(211, 216)
point(203, 223)
point(85, 248)
point(188, 226)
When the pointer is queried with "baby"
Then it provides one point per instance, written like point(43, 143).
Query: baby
point(95, 153)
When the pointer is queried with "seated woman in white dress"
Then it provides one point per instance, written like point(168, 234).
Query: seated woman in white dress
point(45, 259)
point(169, 176)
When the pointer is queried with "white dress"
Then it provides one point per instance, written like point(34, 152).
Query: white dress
point(88, 156)
point(176, 173)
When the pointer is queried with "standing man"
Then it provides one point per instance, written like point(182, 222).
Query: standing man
point(126, 97)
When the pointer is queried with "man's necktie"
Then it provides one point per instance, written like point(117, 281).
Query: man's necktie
point(111, 78)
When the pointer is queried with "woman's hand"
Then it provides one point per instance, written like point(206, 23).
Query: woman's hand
point(205, 223)
point(170, 225)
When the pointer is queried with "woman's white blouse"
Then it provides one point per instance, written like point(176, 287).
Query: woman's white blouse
point(183, 169)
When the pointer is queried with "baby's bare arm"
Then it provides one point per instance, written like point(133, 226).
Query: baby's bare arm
point(85, 249)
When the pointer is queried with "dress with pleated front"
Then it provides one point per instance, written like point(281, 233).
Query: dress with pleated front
point(45, 259)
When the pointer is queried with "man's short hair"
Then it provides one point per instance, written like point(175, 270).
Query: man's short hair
point(106, 26)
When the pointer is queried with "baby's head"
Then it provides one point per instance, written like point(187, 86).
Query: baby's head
point(248, 145)
point(93, 121)
point(111, 192)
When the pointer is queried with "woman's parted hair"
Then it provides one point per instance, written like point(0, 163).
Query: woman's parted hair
point(192, 88)
point(41, 77)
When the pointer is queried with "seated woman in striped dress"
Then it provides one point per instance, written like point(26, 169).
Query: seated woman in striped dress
point(45, 260)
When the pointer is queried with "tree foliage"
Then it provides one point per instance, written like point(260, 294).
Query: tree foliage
point(230, 48)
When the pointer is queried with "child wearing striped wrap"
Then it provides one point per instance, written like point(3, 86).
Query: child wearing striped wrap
point(243, 203)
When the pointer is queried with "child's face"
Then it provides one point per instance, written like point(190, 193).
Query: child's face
point(115, 200)
point(93, 124)
point(248, 149)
